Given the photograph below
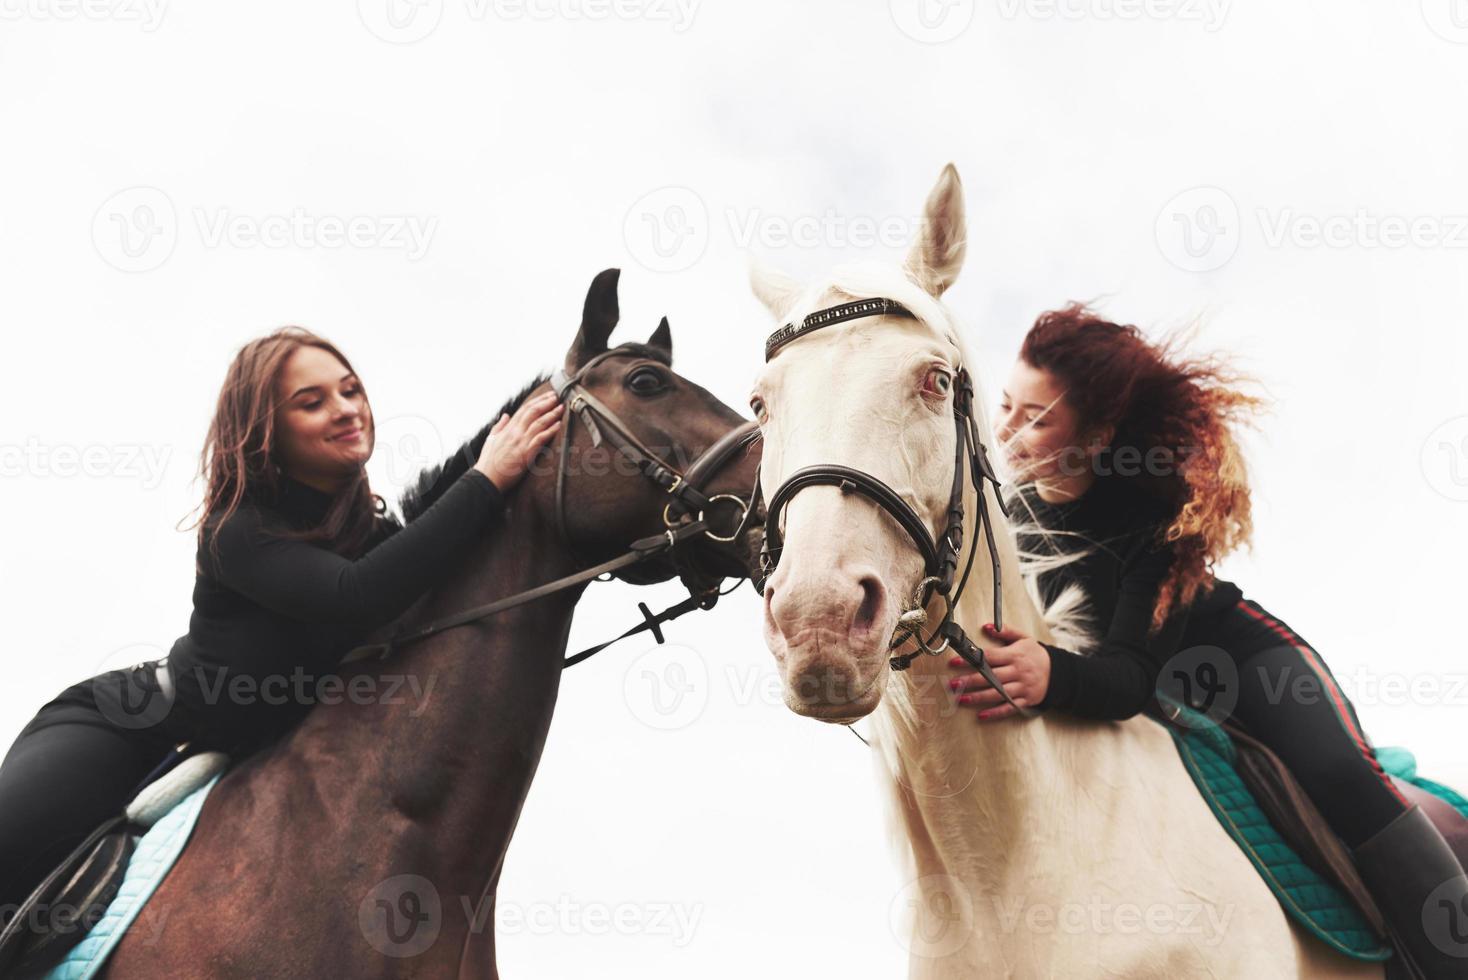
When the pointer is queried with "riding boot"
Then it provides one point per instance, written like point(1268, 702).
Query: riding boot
point(1422, 892)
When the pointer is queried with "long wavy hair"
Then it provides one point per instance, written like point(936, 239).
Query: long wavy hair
point(239, 462)
point(1180, 408)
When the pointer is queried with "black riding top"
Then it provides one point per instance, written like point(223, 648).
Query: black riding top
point(1121, 575)
point(271, 615)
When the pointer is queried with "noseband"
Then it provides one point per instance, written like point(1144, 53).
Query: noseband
point(940, 556)
point(684, 519)
point(689, 502)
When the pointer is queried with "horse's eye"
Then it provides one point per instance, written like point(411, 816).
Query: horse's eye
point(646, 381)
point(938, 382)
point(757, 405)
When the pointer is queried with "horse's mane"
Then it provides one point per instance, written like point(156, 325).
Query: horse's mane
point(433, 481)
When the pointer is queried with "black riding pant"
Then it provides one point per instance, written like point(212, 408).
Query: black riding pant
point(1289, 700)
point(73, 767)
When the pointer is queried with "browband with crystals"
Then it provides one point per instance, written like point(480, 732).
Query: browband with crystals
point(834, 314)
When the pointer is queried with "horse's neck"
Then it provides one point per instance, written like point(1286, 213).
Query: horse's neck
point(991, 783)
point(1003, 818)
point(459, 760)
point(488, 669)
point(994, 784)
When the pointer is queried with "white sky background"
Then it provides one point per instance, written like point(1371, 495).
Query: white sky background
point(526, 147)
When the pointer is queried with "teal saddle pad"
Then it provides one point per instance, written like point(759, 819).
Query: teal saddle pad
point(155, 854)
point(1309, 898)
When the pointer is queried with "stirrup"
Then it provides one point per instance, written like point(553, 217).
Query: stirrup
point(70, 901)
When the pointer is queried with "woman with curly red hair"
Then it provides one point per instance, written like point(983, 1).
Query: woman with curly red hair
point(1132, 485)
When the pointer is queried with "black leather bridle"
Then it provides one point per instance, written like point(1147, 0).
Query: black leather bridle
point(940, 556)
point(688, 499)
point(685, 518)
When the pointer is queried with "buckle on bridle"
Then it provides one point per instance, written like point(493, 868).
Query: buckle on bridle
point(702, 517)
point(738, 525)
point(910, 624)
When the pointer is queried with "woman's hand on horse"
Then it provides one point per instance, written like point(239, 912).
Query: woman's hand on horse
point(514, 441)
point(1021, 664)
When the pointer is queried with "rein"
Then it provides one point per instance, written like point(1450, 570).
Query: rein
point(690, 522)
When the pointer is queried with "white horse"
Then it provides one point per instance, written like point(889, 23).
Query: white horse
point(1042, 847)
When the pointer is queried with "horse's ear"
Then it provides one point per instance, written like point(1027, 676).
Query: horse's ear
point(774, 289)
point(662, 337)
point(937, 255)
point(598, 318)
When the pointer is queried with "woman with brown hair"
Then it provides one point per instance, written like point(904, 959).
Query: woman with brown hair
point(1130, 484)
point(297, 561)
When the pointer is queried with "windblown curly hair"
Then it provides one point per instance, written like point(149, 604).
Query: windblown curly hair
point(1181, 409)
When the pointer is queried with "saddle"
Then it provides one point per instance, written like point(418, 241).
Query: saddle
point(1264, 809)
point(74, 897)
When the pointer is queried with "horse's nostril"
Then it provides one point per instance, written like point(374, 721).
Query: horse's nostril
point(871, 604)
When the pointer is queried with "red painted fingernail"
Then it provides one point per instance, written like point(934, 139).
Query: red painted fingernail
point(956, 662)
point(963, 699)
point(990, 627)
point(953, 684)
point(983, 715)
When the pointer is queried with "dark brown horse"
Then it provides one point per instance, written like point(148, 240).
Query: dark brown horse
point(368, 842)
